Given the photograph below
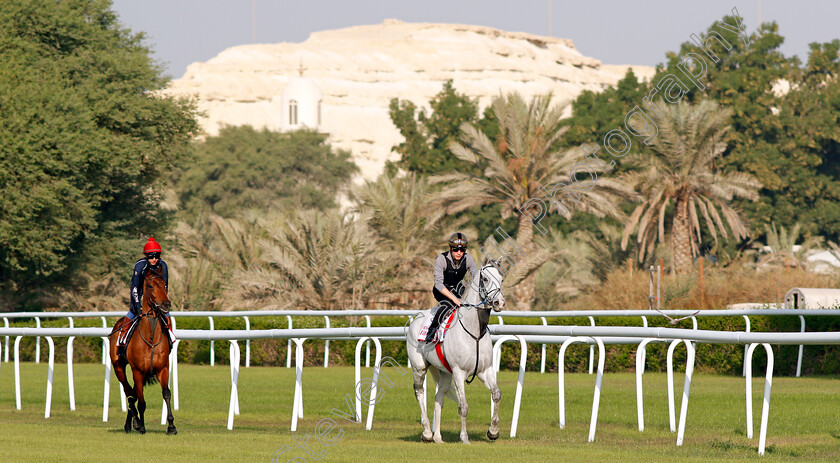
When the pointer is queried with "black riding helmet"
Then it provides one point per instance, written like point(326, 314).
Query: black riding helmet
point(458, 240)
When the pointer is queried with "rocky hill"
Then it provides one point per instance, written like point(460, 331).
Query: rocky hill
point(360, 69)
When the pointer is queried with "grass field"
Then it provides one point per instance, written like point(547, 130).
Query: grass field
point(804, 419)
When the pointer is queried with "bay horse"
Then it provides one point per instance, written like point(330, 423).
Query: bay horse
point(147, 352)
point(467, 349)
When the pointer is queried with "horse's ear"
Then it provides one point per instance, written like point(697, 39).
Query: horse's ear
point(486, 260)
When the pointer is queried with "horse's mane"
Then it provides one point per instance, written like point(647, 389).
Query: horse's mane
point(153, 272)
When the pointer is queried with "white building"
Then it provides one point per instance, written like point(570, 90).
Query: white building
point(301, 104)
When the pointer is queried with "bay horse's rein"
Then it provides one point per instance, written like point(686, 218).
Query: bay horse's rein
point(156, 312)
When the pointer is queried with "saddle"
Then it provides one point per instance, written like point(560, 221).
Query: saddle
point(435, 329)
point(133, 327)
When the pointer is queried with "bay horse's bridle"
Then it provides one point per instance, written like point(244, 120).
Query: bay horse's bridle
point(159, 309)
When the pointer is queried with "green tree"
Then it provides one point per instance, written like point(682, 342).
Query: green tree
point(596, 113)
point(785, 124)
point(681, 170)
point(425, 150)
point(243, 168)
point(427, 136)
point(84, 140)
point(524, 159)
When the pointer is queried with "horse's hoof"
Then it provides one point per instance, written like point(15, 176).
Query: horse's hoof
point(127, 429)
point(172, 431)
point(141, 430)
point(426, 439)
point(492, 436)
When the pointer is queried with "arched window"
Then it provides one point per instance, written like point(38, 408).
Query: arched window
point(293, 113)
point(319, 113)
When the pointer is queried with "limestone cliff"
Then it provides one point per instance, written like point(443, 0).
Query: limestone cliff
point(360, 69)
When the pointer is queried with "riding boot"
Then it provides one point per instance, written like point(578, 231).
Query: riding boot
point(123, 332)
point(430, 334)
point(169, 331)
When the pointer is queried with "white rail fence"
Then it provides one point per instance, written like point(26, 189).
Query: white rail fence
point(525, 334)
point(326, 314)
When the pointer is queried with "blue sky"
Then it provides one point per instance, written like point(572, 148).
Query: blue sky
point(185, 31)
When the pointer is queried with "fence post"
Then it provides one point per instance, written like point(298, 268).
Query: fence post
point(799, 358)
point(17, 371)
point(105, 360)
point(38, 341)
point(289, 347)
point(247, 344)
point(212, 345)
point(107, 393)
point(591, 348)
point(6, 322)
point(50, 370)
point(70, 383)
point(327, 344)
point(542, 357)
point(367, 344)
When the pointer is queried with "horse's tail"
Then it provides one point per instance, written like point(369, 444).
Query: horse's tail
point(150, 377)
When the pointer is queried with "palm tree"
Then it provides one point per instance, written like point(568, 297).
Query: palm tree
point(682, 170)
point(524, 158)
point(407, 222)
point(204, 260)
point(320, 260)
point(781, 247)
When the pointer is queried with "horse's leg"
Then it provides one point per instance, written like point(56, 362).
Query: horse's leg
point(419, 380)
point(444, 382)
point(141, 402)
point(488, 377)
point(119, 365)
point(163, 378)
point(463, 408)
point(119, 370)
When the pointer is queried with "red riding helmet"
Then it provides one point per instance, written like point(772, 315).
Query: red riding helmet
point(151, 246)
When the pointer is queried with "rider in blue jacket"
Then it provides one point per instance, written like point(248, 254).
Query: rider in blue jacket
point(152, 251)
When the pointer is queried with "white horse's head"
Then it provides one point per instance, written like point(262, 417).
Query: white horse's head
point(490, 285)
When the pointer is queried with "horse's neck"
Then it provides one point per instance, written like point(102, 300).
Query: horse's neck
point(471, 295)
point(469, 315)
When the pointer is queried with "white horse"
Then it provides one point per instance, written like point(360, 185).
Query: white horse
point(467, 349)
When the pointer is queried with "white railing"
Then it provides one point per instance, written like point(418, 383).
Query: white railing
point(590, 314)
point(523, 333)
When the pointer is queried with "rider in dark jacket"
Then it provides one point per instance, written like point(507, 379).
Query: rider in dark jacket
point(450, 269)
point(152, 260)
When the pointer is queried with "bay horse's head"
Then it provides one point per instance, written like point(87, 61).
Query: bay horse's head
point(156, 301)
point(490, 285)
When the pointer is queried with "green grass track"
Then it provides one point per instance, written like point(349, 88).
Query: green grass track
point(804, 419)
